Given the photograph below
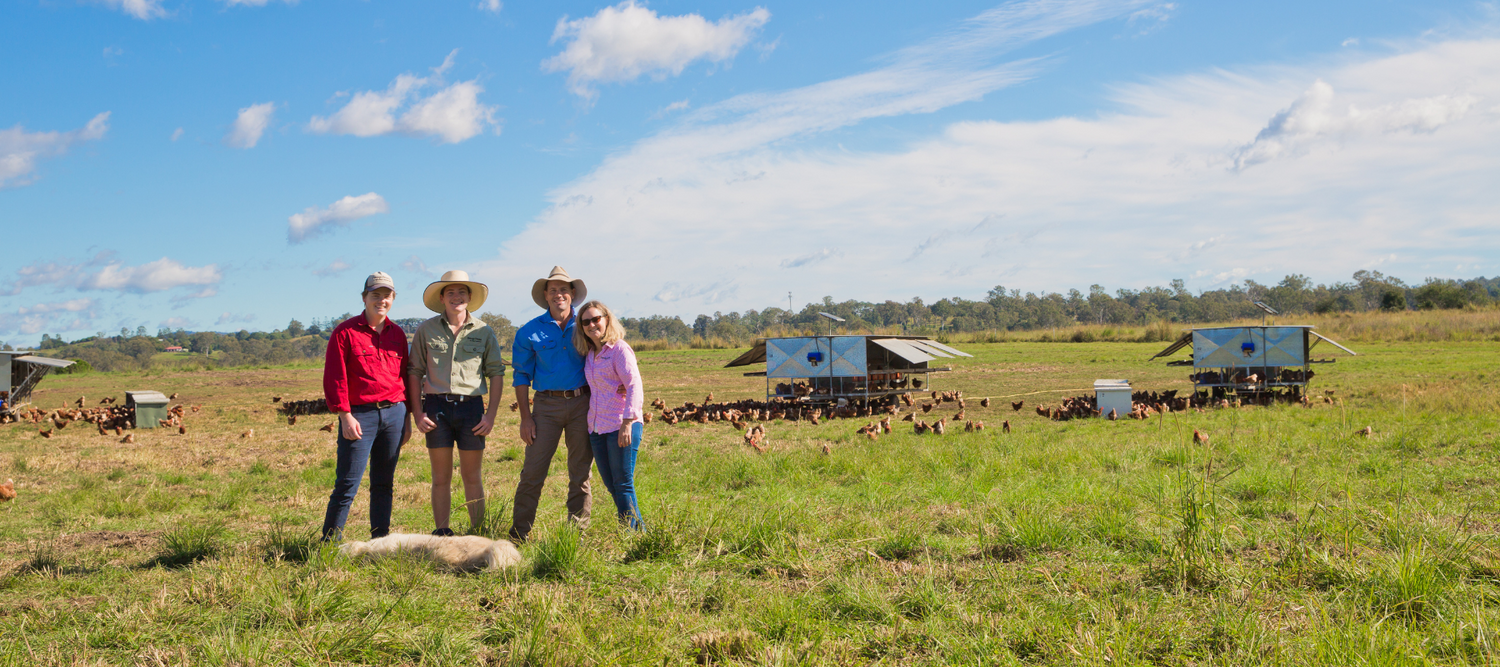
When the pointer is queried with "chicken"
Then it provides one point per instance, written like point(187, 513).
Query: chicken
point(906, 398)
point(181, 430)
point(646, 418)
point(1200, 437)
point(45, 434)
point(885, 425)
point(1114, 414)
point(979, 426)
point(328, 428)
point(959, 416)
point(826, 449)
point(1365, 432)
point(968, 427)
point(173, 397)
point(1005, 426)
point(926, 408)
point(921, 427)
point(129, 438)
point(911, 416)
point(1017, 405)
point(1041, 411)
point(197, 408)
point(248, 434)
point(940, 427)
point(984, 402)
point(8, 490)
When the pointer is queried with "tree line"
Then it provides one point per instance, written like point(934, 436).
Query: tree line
point(1001, 309)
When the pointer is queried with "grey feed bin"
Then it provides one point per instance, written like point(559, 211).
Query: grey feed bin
point(150, 406)
point(1112, 395)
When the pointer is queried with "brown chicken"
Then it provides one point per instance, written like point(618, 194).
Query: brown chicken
point(173, 397)
point(328, 428)
point(1200, 437)
point(128, 439)
point(1005, 426)
point(1365, 432)
point(45, 434)
point(926, 408)
point(248, 434)
point(1017, 405)
point(940, 427)
point(8, 490)
point(984, 402)
point(181, 430)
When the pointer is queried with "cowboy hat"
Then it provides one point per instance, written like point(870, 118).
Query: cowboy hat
point(539, 288)
point(432, 297)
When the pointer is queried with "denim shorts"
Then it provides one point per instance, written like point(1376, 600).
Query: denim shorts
point(455, 422)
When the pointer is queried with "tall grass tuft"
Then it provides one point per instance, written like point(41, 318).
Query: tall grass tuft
point(556, 555)
point(186, 545)
point(906, 544)
point(284, 543)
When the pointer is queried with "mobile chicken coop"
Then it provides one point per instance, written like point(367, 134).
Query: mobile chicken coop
point(824, 369)
point(23, 371)
point(1259, 361)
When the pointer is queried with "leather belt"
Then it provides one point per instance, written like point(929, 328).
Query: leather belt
point(454, 398)
point(377, 405)
point(566, 393)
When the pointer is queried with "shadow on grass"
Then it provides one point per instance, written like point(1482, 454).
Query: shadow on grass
point(185, 545)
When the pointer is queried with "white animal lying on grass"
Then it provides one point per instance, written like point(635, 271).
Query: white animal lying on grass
point(465, 553)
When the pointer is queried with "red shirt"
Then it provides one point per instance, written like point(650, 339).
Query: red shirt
point(363, 366)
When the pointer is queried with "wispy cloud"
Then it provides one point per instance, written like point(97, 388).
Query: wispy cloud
point(336, 267)
point(250, 124)
point(20, 150)
point(70, 315)
point(144, 10)
point(452, 114)
point(313, 220)
point(492, 6)
point(628, 41)
point(415, 264)
point(105, 272)
point(233, 318)
point(1143, 194)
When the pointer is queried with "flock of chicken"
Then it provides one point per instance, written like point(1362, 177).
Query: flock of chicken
point(107, 417)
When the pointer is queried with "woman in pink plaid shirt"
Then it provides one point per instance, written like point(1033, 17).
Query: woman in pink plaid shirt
point(615, 404)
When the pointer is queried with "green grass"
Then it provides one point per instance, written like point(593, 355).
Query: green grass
point(1287, 540)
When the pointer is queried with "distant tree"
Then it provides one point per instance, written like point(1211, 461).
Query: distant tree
point(295, 329)
point(124, 332)
point(140, 330)
point(504, 330)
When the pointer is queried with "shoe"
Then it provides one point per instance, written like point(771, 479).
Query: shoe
point(443, 532)
point(377, 533)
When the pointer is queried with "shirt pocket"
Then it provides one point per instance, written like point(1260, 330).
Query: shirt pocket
point(437, 346)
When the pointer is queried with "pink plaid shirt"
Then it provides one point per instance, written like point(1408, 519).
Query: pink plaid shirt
point(616, 393)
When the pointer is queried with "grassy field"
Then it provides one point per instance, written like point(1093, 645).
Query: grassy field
point(1287, 540)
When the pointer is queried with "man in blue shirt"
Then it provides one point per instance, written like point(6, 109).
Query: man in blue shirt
point(546, 361)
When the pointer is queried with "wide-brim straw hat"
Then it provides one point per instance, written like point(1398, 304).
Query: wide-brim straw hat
point(432, 297)
point(539, 288)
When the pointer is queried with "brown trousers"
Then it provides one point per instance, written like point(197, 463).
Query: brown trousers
point(555, 416)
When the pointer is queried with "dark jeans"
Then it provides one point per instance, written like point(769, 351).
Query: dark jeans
point(617, 470)
point(455, 422)
point(379, 445)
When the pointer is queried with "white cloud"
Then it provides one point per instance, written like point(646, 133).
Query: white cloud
point(20, 150)
point(453, 113)
point(175, 323)
point(810, 258)
point(68, 315)
point(679, 105)
point(1313, 120)
point(313, 220)
point(162, 274)
point(176, 134)
point(232, 318)
point(1137, 195)
point(415, 264)
point(338, 266)
point(250, 124)
point(493, 6)
point(144, 10)
point(627, 41)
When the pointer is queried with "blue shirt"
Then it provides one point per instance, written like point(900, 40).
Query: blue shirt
point(544, 356)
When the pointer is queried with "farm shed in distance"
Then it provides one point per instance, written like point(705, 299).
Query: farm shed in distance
point(823, 369)
point(1253, 360)
point(23, 371)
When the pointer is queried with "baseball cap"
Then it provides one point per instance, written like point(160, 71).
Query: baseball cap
point(378, 280)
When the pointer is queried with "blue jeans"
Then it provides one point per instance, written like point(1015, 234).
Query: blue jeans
point(617, 470)
point(379, 445)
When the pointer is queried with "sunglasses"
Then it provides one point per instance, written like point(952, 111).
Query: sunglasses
point(590, 321)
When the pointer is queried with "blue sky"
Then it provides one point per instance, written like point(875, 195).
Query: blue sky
point(227, 164)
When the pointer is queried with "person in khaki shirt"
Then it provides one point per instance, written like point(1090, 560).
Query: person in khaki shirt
point(452, 356)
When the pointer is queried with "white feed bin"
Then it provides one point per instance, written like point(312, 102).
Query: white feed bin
point(1112, 395)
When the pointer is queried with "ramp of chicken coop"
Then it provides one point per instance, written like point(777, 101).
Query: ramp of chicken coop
point(826, 368)
point(23, 370)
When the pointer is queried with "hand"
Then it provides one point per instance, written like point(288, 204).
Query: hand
point(405, 432)
point(350, 426)
point(424, 424)
point(625, 433)
point(485, 425)
point(528, 431)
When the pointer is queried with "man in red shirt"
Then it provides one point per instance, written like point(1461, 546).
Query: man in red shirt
point(363, 384)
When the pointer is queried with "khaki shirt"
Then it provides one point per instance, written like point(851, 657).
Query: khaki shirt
point(454, 364)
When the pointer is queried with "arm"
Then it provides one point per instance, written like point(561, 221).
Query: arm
point(494, 371)
point(629, 372)
point(524, 360)
point(406, 389)
point(336, 385)
point(416, 369)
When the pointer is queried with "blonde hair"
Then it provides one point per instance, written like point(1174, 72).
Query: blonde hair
point(613, 330)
